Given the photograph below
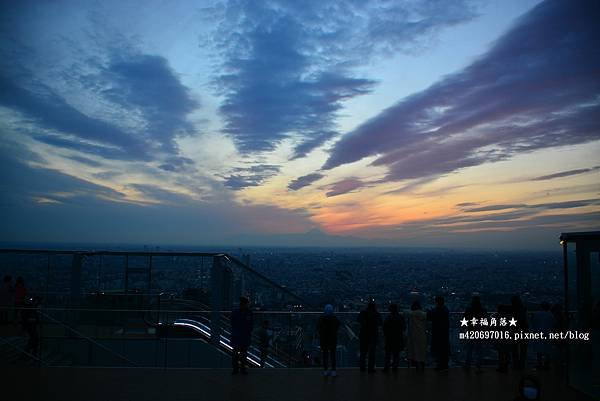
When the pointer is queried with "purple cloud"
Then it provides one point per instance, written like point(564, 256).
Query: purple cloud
point(536, 87)
point(344, 186)
point(567, 173)
point(304, 181)
point(289, 65)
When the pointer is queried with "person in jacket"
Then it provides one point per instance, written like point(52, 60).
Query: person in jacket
point(327, 328)
point(265, 334)
point(417, 336)
point(241, 332)
point(370, 321)
point(394, 327)
point(440, 333)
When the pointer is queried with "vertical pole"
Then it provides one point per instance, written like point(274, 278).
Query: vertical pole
point(566, 310)
point(75, 296)
point(289, 339)
point(126, 273)
point(566, 279)
point(47, 276)
point(150, 274)
point(216, 300)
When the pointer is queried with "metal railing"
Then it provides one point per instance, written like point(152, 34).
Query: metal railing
point(182, 338)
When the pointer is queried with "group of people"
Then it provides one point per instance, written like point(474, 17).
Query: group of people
point(408, 331)
point(394, 327)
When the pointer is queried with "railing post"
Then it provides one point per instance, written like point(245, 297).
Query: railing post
point(75, 294)
point(216, 300)
point(289, 340)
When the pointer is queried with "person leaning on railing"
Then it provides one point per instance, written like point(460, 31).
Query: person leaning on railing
point(241, 334)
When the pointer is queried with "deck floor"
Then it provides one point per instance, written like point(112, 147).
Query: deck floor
point(116, 384)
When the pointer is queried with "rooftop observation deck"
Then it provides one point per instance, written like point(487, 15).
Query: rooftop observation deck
point(118, 384)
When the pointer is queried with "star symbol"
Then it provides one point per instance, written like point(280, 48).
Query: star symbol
point(464, 322)
point(512, 322)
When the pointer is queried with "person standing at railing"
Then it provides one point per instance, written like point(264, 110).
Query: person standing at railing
point(370, 321)
point(394, 327)
point(7, 297)
point(327, 328)
point(475, 312)
point(241, 333)
point(30, 322)
point(543, 321)
point(440, 333)
point(519, 348)
point(20, 296)
point(417, 336)
point(265, 334)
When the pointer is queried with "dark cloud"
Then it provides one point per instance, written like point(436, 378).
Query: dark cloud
point(146, 83)
point(567, 173)
point(304, 181)
point(252, 176)
point(345, 186)
point(491, 208)
point(288, 65)
point(22, 183)
point(139, 88)
point(547, 205)
point(467, 204)
point(536, 87)
point(50, 111)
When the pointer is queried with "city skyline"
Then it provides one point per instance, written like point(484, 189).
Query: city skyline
point(435, 124)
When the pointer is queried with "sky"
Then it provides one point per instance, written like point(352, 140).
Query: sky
point(472, 124)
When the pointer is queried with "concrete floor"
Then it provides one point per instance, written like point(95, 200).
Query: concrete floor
point(116, 384)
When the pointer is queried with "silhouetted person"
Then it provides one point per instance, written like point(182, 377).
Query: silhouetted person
point(394, 327)
point(20, 296)
point(7, 298)
point(264, 342)
point(529, 389)
point(474, 346)
point(440, 333)
point(30, 323)
point(369, 320)
point(241, 331)
point(417, 337)
point(519, 348)
point(543, 321)
point(503, 346)
point(327, 327)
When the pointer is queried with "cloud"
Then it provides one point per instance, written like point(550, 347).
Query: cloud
point(344, 186)
point(252, 176)
point(304, 181)
point(288, 66)
point(547, 205)
point(467, 204)
point(535, 88)
point(76, 130)
point(39, 204)
point(567, 173)
point(145, 83)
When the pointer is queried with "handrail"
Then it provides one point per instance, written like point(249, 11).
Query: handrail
point(263, 277)
point(89, 339)
point(225, 311)
point(21, 350)
point(109, 253)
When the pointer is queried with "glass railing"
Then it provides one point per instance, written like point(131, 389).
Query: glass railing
point(178, 337)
